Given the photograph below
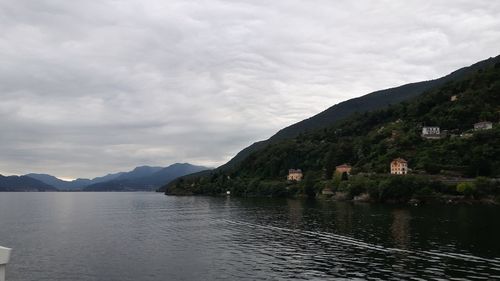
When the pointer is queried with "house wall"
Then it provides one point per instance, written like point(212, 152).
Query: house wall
point(430, 131)
point(399, 168)
point(341, 170)
point(483, 126)
point(295, 177)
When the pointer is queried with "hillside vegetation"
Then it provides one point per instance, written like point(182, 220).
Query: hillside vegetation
point(372, 101)
point(370, 140)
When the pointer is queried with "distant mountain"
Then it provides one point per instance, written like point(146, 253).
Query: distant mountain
point(146, 178)
point(138, 172)
point(370, 102)
point(71, 185)
point(140, 178)
point(174, 171)
point(50, 180)
point(107, 177)
point(23, 183)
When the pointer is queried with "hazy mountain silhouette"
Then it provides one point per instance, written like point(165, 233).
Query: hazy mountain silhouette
point(23, 183)
point(71, 185)
point(146, 178)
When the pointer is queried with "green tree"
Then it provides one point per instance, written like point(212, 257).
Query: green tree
point(309, 189)
point(466, 188)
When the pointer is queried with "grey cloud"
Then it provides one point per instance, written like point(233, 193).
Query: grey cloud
point(90, 87)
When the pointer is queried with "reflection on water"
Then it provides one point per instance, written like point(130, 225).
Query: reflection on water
point(400, 228)
point(295, 212)
point(146, 236)
point(343, 218)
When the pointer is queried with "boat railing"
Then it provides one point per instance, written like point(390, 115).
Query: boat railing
point(4, 259)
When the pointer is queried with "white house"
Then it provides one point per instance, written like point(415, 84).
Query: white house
point(483, 126)
point(431, 132)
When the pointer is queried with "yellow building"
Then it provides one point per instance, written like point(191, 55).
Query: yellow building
point(399, 166)
point(344, 168)
point(294, 175)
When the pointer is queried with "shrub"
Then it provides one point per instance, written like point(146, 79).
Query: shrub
point(466, 188)
point(357, 186)
point(483, 186)
point(397, 188)
point(424, 193)
point(309, 186)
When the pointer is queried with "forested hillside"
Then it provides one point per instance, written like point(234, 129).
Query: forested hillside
point(370, 140)
point(373, 101)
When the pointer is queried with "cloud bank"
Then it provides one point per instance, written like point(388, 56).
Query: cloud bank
point(90, 87)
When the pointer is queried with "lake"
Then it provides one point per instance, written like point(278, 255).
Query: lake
point(149, 236)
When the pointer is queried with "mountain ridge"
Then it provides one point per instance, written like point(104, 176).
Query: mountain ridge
point(23, 183)
point(76, 184)
point(369, 140)
point(369, 102)
point(140, 178)
point(155, 179)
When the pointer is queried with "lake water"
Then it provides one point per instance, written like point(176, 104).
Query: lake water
point(149, 236)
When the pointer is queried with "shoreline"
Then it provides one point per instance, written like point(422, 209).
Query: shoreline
point(437, 200)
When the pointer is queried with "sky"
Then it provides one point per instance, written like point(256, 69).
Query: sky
point(98, 86)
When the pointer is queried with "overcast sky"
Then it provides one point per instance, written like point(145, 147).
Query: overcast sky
point(91, 87)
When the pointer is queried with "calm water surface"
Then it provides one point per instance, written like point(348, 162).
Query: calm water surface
point(148, 236)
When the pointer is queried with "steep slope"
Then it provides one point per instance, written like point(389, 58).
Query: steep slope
point(370, 140)
point(23, 183)
point(146, 178)
point(373, 101)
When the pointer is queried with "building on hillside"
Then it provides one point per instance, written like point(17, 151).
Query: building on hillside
point(466, 135)
point(454, 98)
point(344, 168)
point(327, 191)
point(399, 166)
point(294, 175)
point(431, 132)
point(486, 125)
